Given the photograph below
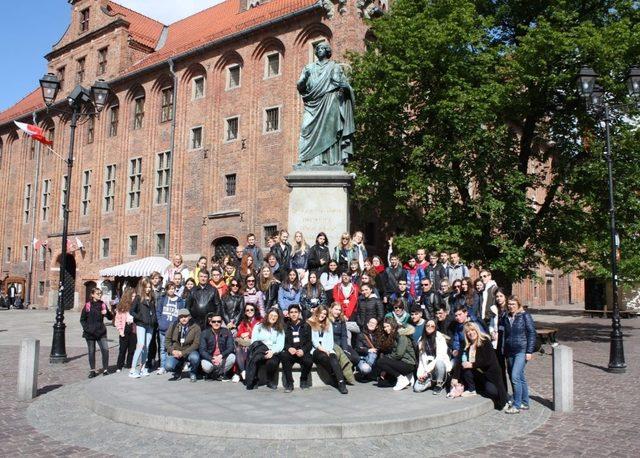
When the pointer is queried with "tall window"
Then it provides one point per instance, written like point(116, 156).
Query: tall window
point(160, 243)
point(272, 65)
point(233, 76)
point(114, 112)
point(104, 247)
point(167, 105)
point(8, 254)
point(272, 119)
point(27, 202)
point(133, 245)
point(91, 125)
point(61, 71)
point(135, 182)
point(51, 135)
point(198, 87)
point(109, 188)
point(84, 20)
point(231, 132)
point(80, 65)
point(195, 140)
point(86, 192)
point(63, 194)
point(138, 112)
point(46, 199)
point(163, 172)
point(25, 253)
point(32, 148)
point(102, 60)
point(230, 184)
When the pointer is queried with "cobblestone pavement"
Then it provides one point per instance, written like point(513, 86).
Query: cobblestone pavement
point(604, 422)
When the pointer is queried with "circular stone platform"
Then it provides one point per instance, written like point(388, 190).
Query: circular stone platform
point(226, 409)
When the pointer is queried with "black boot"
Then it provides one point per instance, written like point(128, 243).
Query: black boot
point(342, 387)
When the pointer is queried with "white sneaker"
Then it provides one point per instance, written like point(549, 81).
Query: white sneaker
point(468, 394)
point(161, 371)
point(118, 371)
point(401, 383)
point(235, 378)
point(144, 373)
point(134, 374)
point(243, 375)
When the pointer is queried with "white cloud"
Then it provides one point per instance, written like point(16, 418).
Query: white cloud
point(168, 11)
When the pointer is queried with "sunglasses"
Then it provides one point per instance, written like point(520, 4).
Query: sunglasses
point(216, 321)
point(234, 285)
point(250, 310)
point(398, 308)
point(425, 284)
point(251, 281)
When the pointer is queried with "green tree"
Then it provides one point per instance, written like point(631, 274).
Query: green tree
point(472, 134)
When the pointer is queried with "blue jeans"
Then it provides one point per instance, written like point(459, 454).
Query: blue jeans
point(516, 365)
point(174, 364)
point(163, 349)
point(143, 336)
point(366, 362)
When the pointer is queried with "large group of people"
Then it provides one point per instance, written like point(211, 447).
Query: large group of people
point(424, 324)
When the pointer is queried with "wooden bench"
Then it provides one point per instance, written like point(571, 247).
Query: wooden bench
point(547, 336)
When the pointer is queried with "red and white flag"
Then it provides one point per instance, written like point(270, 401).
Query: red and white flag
point(79, 244)
point(35, 132)
point(37, 244)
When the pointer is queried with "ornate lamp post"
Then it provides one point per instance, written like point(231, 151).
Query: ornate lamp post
point(82, 102)
point(594, 96)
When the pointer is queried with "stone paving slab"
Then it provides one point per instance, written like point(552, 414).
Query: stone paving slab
point(185, 407)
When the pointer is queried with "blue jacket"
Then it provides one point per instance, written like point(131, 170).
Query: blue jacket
point(288, 296)
point(458, 333)
point(273, 339)
point(519, 336)
point(167, 311)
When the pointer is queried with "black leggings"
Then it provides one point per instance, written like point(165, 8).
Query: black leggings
point(127, 347)
point(394, 367)
point(329, 363)
point(104, 351)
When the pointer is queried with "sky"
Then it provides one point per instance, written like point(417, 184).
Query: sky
point(29, 29)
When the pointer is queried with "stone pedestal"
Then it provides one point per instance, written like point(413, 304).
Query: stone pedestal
point(562, 378)
point(28, 369)
point(319, 202)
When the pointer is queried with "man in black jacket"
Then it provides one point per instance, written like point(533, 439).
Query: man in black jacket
point(392, 275)
point(204, 299)
point(429, 299)
point(282, 250)
point(435, 271)
point(297, 349)
point(216, 350)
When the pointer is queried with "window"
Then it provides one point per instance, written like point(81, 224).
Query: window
point(133, 245)
point(63, 194)
point(86, 192)
point(198, 87)
point(102, 61)
point(269, 231)
point(104, 248)
point(109, 188)
point(80, 64)
point(138, 112)
point(84, 20)
point(160, 243)
point(272, 119)
point(51, 135)
point(163, 172)
point(272, 65)
point(27, 202)
point(46, 199)
point(195, 140)
point(167, 105)
point(230, 184)
point(1, 151)
point(233, 76)
point(40, 288)
point(8, 254)
point(32, 148)
point(41, 253)
point(61, 71)
point(25, 253)
point(135, 182)
point(91, 125)
point(231, 129)
point(113, 120)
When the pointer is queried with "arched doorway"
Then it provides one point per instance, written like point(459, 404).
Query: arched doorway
point(70, 280)
point(224, 246)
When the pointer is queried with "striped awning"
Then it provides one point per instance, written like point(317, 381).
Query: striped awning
point(139, 268)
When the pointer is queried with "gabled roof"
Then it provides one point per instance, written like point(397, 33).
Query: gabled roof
point(211, 24)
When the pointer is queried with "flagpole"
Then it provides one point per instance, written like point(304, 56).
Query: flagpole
point(33, 221)
point(53, 151)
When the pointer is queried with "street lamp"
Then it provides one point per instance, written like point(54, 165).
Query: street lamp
point(94, 100)
point(595, 98)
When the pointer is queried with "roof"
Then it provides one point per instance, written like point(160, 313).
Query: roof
point(219, 21)
point(138, 268)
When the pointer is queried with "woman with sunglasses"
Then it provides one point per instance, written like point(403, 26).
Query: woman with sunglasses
point(252, 295)
point(232, 305)
point(344, 252)
point(249, 319)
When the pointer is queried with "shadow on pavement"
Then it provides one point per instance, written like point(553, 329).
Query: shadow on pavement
point(548, 403)
point(598, 332)
point(47, 389)
point(603, 369)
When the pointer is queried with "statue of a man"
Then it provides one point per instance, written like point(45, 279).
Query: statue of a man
point(327, 124)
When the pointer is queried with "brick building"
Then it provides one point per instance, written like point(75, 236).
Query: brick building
point(203, 120)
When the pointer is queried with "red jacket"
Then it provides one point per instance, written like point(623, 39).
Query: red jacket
point(348, 307)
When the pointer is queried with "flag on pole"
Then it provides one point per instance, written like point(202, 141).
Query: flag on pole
point(71, 247)
point(35, 132)
point(79, 244)
point(37, 244)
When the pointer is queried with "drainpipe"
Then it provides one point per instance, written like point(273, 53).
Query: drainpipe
point(34, 198)
point(172, 147)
